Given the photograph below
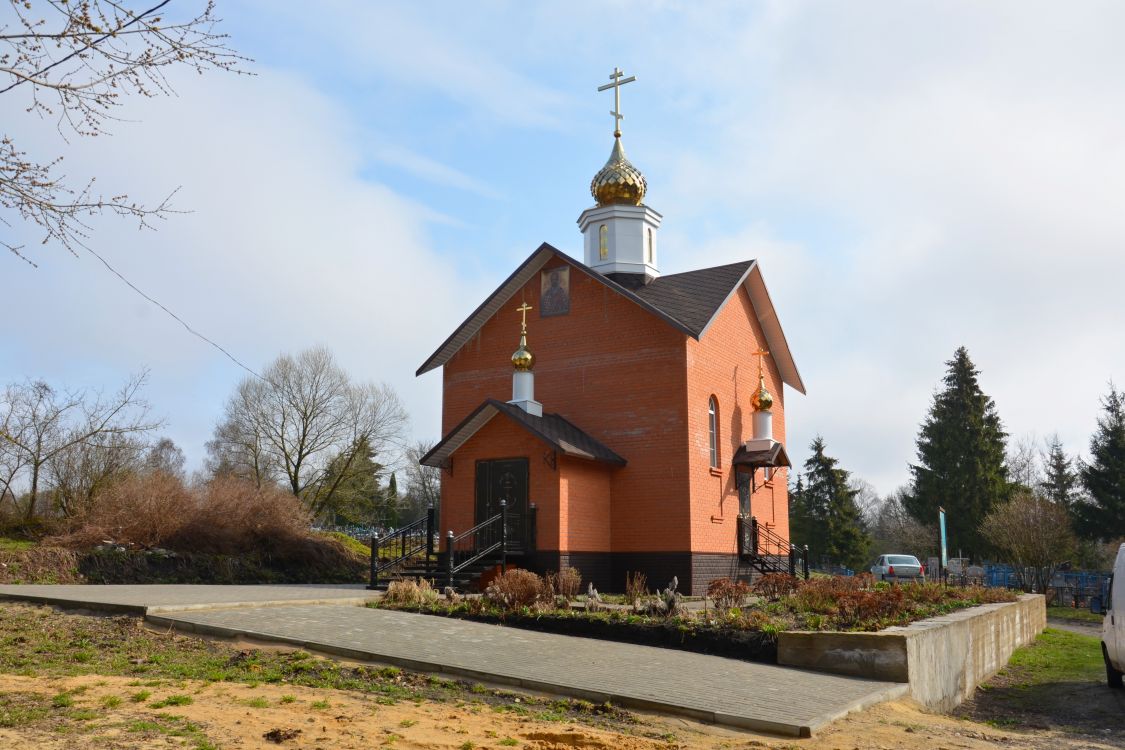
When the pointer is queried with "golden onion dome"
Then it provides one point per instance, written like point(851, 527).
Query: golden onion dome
point(618, 182)
point(522, 359)
point(762, 399)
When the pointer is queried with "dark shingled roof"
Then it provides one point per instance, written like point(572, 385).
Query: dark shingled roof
point(552, 429)
point(694, 297)
point(774, 456)
point(687, 301)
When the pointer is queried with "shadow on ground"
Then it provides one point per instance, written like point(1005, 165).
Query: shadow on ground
point(1079, 707)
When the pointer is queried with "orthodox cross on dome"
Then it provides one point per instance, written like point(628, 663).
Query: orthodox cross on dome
point(616, 82)
point(522, 310)
point(761, 354)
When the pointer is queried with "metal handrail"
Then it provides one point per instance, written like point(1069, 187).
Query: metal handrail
point(477, 553)
point(414, 538)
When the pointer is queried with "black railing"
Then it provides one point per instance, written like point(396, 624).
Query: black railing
point(413, 541)
point(768, 551)
point(473, 545)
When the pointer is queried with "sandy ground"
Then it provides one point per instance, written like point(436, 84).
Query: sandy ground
point(232, 715)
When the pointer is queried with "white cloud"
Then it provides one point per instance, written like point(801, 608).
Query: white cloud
point(285, 247)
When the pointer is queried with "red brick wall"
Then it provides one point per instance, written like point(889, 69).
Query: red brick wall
point(500, 438)
point(614, 370)
point(584, 504)
point(720, 364)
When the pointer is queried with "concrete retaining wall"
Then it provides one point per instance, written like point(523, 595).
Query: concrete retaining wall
point(943, 658)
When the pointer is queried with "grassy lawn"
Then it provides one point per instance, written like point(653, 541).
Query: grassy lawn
point(8, 544)
point(1056, 681)
point(1077, 615)
point(40, 642)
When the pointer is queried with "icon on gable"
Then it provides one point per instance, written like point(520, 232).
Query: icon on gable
point(554, 292)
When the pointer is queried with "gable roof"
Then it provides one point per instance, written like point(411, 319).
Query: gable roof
point(688, 301)
point(552, 429)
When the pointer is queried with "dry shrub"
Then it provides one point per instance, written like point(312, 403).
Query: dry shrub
point(143, 510)
point(727, 594)
point(411, 592)
point(773, 586)
point(636, 586)
point(230, 515)
point(224, 516)
point(518, 588)
point(565, 583)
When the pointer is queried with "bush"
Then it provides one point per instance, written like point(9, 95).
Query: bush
point(636, 587)
point(565, 583)
point(518, 588)
point(773, 586)
point(727, 594)
point(411, 592)
point(224, 516)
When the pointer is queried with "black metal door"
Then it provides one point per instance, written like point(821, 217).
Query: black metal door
point(503, 479)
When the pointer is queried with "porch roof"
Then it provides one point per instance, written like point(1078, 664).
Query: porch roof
point(552, 429)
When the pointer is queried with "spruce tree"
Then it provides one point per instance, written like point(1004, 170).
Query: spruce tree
point(835, 523)
point(1102, 515)
point(960, 459)
point(805, 524)
point(350, 489)
point(1060, 481)
point(391, 510)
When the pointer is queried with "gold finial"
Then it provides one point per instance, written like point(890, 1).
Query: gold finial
point(762, 400)
point(523, 359)
point(616, 82)
point(618, 182)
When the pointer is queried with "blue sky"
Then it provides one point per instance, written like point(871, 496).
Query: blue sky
point(912, 176)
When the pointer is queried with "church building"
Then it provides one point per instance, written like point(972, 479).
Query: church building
point(640, 423)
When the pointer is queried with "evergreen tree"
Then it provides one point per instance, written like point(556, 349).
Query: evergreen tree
point(960, 459)
point(351, 486)
point(1102, 514)
point(391, 509)
point(1060, 483)
point(805, 526)
point(835, 523)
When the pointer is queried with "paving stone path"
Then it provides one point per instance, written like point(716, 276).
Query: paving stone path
point(754, 696)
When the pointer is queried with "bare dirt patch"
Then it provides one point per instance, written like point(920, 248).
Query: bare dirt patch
point(106, 712)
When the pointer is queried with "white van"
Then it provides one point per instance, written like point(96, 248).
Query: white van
point(1113, 626)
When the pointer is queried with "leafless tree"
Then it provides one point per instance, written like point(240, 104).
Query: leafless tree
point(304, 412)
point(893, 529)
point(38, 424)
point(1024, 462)
point(1033, 534)
point(423, 483)
point(72, 62)
point(77, 474)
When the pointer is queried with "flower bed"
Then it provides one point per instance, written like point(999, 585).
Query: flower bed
point(735, 620)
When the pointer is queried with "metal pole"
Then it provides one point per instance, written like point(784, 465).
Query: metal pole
point(374, 563)
point(503, 536)
point(449, 558)
point(430, 519)
point(792, 560)
point(805, 562)
point(754, 535)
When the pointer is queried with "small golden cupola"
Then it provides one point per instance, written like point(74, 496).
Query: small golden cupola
point(620, 231)
point(522, 358)
point(618, 182)
point(523, 379)
point(762, 401)
point(762, 398)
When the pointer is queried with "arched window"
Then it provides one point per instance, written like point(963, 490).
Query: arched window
point(713, 430)
point(648, 248)
point(603, 242)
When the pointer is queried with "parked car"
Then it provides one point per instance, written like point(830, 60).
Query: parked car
point(1113, 626)
point(895, 567)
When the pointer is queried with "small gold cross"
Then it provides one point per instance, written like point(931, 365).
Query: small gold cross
point(522, 309)
point(761, 354)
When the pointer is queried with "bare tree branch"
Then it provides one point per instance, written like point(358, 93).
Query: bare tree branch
point(76, 61)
